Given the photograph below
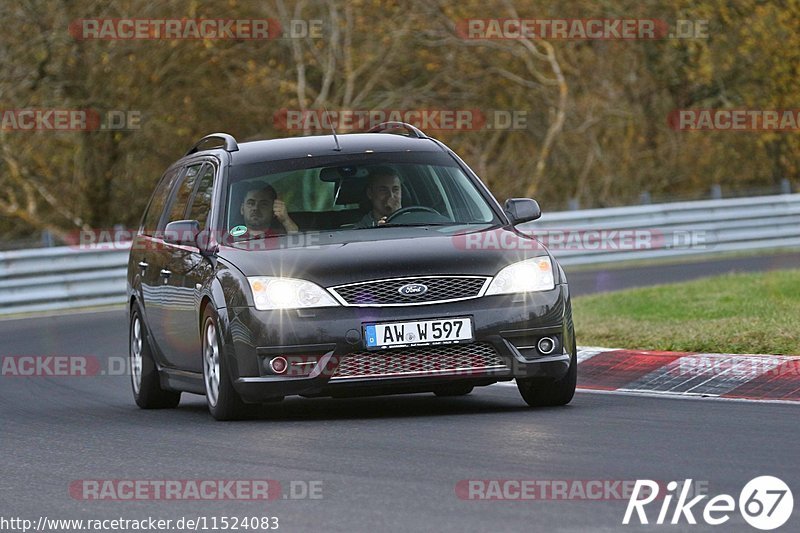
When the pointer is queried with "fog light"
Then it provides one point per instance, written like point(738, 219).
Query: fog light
point(546, 345)
point(278, 365)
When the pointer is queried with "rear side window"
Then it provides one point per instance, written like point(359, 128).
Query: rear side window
point(181, 200)
point(158, 201)
point(200, 204)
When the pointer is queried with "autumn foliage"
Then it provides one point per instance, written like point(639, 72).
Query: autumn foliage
point(592, 115)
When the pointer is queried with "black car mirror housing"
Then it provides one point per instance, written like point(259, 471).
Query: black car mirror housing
point(182, 232)
point(521, 210)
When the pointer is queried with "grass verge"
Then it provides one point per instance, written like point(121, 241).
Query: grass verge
point(734, 313)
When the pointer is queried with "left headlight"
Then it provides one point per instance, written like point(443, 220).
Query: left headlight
point(288, 293)
point(526, 276)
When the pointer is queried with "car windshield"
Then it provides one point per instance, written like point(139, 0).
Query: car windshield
point(351, 193)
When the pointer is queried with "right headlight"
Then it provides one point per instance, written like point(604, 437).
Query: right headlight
point(526, 276)
point(288, 293)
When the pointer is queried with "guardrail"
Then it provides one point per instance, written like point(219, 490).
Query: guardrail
point(65, 277)
point(49, 279)
point(670, 230)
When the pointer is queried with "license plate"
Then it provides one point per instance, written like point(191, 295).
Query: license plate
point(419, 332)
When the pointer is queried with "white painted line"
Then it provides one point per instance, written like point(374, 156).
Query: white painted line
point(665, 395)
point(706, 374)
point(681, 396)
point(587, 352)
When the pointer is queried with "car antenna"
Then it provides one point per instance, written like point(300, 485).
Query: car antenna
point(335, 138)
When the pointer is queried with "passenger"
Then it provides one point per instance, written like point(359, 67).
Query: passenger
point(259, 207)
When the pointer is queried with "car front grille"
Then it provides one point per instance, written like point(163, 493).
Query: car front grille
point(454, 359)
point(387, 292)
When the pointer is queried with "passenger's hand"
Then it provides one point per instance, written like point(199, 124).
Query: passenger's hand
point(280, 212)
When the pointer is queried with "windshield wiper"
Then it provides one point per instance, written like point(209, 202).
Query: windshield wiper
point(258, 237)
point(412, 224)
point(455, 223)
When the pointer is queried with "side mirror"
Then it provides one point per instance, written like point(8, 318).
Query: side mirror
point(521, 210)
point(182, 232)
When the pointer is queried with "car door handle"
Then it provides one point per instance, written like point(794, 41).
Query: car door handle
point(143, 265)
point(166, 273)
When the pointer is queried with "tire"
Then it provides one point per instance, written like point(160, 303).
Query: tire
point(540, 393)
point(224, 403)
point(145, 379)
point(453, 390)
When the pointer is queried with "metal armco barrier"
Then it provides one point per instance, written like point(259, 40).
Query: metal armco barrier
point(670, 230)
point(49, 279)
point(64, 277)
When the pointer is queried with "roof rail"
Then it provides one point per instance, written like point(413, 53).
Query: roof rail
point(230, 143)
point(386, 126)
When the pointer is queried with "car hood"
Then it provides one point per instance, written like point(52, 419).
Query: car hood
point(328, 260)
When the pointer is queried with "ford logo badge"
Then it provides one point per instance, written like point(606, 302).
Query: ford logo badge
point(413, 289)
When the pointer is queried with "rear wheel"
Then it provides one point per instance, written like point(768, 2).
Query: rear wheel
point(145, 380)
point(223, 401)
point(541, 393)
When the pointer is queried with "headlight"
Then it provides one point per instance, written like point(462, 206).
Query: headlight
point(526, 276)
point(288, 293)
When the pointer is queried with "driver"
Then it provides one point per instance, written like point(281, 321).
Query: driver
point(385, 194)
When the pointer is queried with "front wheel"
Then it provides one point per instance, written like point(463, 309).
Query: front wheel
point(145, 381)
point(223, 401)
point(539, 393)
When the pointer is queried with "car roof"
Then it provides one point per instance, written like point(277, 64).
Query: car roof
point(319, 145)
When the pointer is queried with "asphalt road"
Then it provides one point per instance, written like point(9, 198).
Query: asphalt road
point(619, 277)
point(389, 463)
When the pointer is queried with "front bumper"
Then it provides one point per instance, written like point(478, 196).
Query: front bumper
point(320, 340)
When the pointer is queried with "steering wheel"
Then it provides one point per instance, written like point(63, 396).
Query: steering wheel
point(412, 209)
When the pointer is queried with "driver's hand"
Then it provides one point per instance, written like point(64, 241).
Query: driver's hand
point(382, 221)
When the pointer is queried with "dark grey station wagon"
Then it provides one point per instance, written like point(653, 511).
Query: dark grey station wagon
point(358, 264)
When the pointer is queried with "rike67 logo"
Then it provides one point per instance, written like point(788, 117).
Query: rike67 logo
point(765, 503)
